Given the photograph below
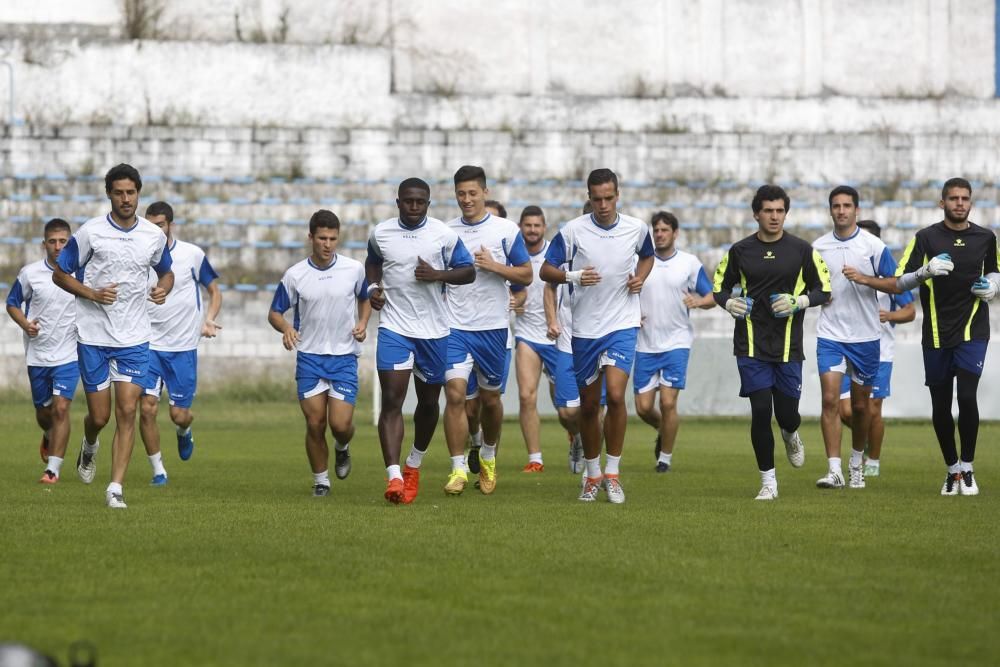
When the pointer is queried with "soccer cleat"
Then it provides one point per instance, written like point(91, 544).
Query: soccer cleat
point(856, 477)
point(48, 477)
point(473, 460)
point(487, 476)
point(662, 466)
point(43, 448)
point(794, 449)
point(320, 490)
point(951, 484)
point(657, 446)
point(967, 485)
point(871, 471)
point(86, 466)
point(185, 445)
point(591, 485)
point(533, 466)
point(576, 463)
point(411, 483)
point(767, 493)
point(158, 480)
point(342, 463)
point(394, 491)
point(831, 480)
point(115, 501)
point(456, 482)
point(613, 487)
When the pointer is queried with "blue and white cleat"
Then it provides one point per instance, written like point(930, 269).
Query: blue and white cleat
point(185, 445)
point(158, 480)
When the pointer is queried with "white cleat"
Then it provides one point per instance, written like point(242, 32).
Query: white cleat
point(831, 480)
point(856, 477)
point(967, 485)
point(613, 487)
point(86, 465)
point(951, 484)
point(588, 493)
point(116, 501)
point(767, 493)
point(794, 448)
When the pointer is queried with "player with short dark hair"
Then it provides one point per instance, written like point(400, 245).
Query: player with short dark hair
point(778, 276)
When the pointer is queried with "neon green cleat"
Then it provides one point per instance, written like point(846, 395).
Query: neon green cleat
point(456, 482)
point(487, 475)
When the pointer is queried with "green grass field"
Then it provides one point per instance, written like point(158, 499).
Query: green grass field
point(234, 563)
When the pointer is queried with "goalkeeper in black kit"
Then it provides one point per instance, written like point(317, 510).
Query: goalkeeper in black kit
point(778, 276)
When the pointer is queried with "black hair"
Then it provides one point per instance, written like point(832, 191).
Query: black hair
point(56, 225)
point(844, 190)
point(957, 182)
point(323, 218)
point(120, 172)
point(871, 227)
point(600, 177)
point(501, 210)
point(664, 216)
point(587, 207)
point(414, 182)
point(161, 208)
point(769, 192)
point(470, 173)
point(532, 211)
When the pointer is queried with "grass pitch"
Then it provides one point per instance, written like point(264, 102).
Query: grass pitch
point(234, 563)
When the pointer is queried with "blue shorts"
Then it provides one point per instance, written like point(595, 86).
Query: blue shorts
point(335, 374)
point(100, 366)
point(49, 381)
point(862, 358)
point(880, 387)
point(178, 371)
point(755, 375)
point(425, 356)
point(567, 391)
point(940, 364)
point(666, 369)
point(472, 386)
point(590, 355)
point(484, 352)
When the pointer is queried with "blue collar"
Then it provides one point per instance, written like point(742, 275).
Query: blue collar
point(665, 259)
point(400, 222)
point(857, 230)
point(322, 268)
point(47, 265)
point(122, 229)
point(473, 224)
point(618, 217)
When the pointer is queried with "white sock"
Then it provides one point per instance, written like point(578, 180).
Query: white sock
point(415, 458)
point(665, 458)
point(55, 463)
point(962, 466)
point(322, 477)
point(856, 458)
point(611, 464)
point(156, 460)
point(767, 478)
point(954, 469)
point(458, 462)
point(392, 472)
point(477, 438)
point(873, 463)
point(341, 447)
point(487, 452)
point(594, 468)
point(185, 430)
point(90, 447)
point(835, 465)
point(535, 458)
point(114, 487)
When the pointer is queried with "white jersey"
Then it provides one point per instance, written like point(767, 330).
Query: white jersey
point(325, 303)
point(483, 304)
point(851, 316)
point(666, 321)
point(415, 308)
point(177, 323)
point(38, 298)
point(565, 317)
point(531, 324)
point(101, 253)
point(607, 306)
point(890, 302)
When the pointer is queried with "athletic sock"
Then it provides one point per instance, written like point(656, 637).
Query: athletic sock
point(90, 447)
point(835, 465)
point(963, 466)
point(341, 447)
point(415, 458)
point(55, 463)
point(114, 487)
point(392, 472)
point(156, 460)
point(611, 464)
point(535, 458)
point(856, 458)
point(954, 469)
point(768, 478)
point(183, 430)
point(322, 478)
point(594, 468)
point(873, 463)
point(458, 463)
point(487, 452)
point(477, 438)
point(665, 458)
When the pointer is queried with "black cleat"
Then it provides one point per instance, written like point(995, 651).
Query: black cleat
point(342, 463)
point(662, 466)
point(657, 447)
point(321, 491)
point(474, 460)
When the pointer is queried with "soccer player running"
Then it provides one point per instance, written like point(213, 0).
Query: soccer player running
point(601, 250)
point(47, 315)
point(676, 284)
point(893, 309)
point(329, 295)
point(779, 275)
point(535, 351)
point(106, 265)
point(177, 327)
point(479, 320)
point(409, 258)
point(954, 262)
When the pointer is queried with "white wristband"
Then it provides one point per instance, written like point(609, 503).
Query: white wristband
point(575, 277)
point(372, 288)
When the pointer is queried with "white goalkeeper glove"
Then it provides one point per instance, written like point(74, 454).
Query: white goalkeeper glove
point(938, 266)
point(739, 306)
point(786, 305)
point(986, 288)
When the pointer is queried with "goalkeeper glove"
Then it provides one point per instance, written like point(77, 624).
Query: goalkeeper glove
point(739, 307)
point(786, 305)
point(938, 266)
point(985, 288)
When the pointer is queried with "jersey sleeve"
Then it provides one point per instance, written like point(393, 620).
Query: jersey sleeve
point(285, 295)
point(76, 253)
point(556, 254)
point(727, 275)
point(702, 285)
point(361, 285)
point(517, 253)
point(206, 274)
point(903, 298)
point(886, 266)
point(459, 255)
point(20, 292)
point(161, 260)
point(374, 251)
point(913, 257)
point(990, 262)
point(816, 276)
point(644, 246)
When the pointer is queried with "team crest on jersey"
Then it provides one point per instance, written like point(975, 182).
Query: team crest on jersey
point(959, 243)
point(769, 255)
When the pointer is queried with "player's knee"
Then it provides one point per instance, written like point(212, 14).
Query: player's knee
point(148, 410)
point(181, 416)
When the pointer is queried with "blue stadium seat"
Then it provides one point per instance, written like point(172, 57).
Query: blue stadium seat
point(356, 223)
point(666, 184)
point(291, 245)
point(21, 219)
point(223, 287)
point(356, 245)
point(304, 180)
point(79, 219)
point(297, 222)
point(208, 200)
point(84, 199)
point(205, 222)
point(236, 222)
point(271, 287)
point(924, 204)
point(181, 180)
point(11, 240)
point(334, 180)
point(20, 197)
point(728, 185)
point(212, 180)
point(241, 180)
point(151, 178)
point(265, 222)
point(270, 201)
point(278, 180)
point(4, 287)
point(891, 203)
point(911, 184)
point(690, 226)
point(706, 205)
point(230, 245)
point(263, 245)
point(57, 176)
point(301, 201)
point(866, 204)
point(331, 201)
point(25, 176)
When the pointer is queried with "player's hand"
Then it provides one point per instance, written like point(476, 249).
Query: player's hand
point(634, 284)
point(33, 329)
point(884, 316)
point(985, 288)
point(513, 305)
point(786, 305)
point(739, 307)
point(158, 295)
point(106, 295)
point(360, 331)
point(210, 329)
point(484, 260)
point(938, 266)
point(690, 300)
point(290, 339)
point(377, 298)
point(425, 271)
point(553, 330)
point(854, 275)
point(586, 277)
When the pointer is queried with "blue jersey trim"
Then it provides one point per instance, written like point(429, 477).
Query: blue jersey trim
point(16, 295)
point(206, 274)
point(518, 254)
point(460, 256)
point(166, 261)
point(119, 228)
point(69, 256)
point(320, 268)
point(703, 285)
point(556, 254)
point(280, 303)
point(857, 230)
point(647, 247)
point(400, 222)
point(618, 218)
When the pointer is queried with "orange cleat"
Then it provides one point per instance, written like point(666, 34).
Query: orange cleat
point(394, 491)
point(43, 449)
point(411, 484)
point(48, 477)
point(533, 466)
